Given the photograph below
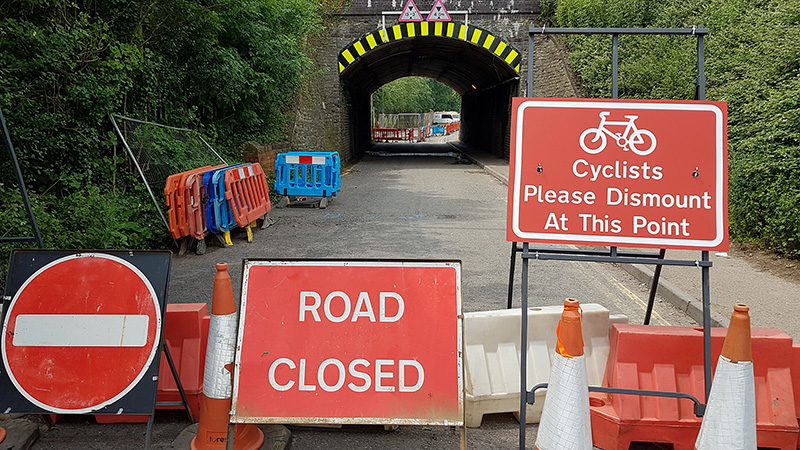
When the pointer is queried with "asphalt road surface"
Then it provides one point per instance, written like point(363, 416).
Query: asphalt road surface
point(409, 207)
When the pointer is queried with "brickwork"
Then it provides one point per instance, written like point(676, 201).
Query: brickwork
point(264, 154)
point(324, 119)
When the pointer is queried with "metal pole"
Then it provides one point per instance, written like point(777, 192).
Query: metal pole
point(701, 69)
point(615, 66)
point(530, 65)
point(654, 286)
point(21, 182)
point(136, 163)
point(523, 360)
point(706, 326)
point(511, 273)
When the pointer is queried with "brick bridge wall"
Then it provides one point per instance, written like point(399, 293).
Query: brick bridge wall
point(321, 119)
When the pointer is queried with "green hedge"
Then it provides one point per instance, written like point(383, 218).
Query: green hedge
point(752, 62)
point(229, 69)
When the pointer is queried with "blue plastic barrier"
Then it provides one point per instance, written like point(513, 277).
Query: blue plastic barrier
point(439, 130)
point(219, 216)
point(312, 174)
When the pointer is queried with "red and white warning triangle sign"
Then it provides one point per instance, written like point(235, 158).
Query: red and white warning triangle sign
point(411, 13)
point(438, 13)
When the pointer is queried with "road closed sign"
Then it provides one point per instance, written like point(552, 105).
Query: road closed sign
point(619, 172)
point(349, 342)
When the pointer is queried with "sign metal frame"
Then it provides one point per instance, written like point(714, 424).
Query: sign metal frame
point(612, 254)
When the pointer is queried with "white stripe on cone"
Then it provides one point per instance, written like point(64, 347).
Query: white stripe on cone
point(221, 351)
point(730, 419)
point(565, 423)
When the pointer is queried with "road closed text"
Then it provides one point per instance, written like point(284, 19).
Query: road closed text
point(358, 374)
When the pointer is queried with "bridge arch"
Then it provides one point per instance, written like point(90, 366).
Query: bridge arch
point(478, 64)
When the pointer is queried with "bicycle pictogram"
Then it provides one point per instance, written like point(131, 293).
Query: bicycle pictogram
point(632, 138)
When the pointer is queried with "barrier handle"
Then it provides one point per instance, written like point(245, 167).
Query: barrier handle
point(699, 408)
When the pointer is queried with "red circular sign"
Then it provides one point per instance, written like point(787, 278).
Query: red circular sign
point(81, 332)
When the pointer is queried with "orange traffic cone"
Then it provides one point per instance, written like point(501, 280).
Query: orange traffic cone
point(565, 422)
point(730, 419)
point(2, 434)
point(215, 404)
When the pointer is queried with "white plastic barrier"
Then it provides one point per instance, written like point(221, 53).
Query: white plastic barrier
point(492, 353)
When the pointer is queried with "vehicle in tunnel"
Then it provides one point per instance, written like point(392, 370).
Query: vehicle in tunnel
point(443, 117)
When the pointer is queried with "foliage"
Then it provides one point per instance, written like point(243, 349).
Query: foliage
point(415, 95)
point(752, 62)
point(228, 68)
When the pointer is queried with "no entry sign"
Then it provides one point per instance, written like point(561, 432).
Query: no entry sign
point(349, 342)
point(619, 172)
point(82, 332)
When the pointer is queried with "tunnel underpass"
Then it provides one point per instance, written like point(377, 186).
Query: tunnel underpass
point(479, 66)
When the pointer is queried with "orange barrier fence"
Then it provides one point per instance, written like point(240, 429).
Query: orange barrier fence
point(186, 335)
point(392, 134)
point(176, 194)
point(246, 189)
point(619, 420)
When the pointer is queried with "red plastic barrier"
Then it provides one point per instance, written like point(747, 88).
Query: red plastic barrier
point(184, 194)
point(677, 366)
point(392, 134)
point(173, 191)
point(796, 384)
point(194, 191)
point(247, 190)
point(186, 334)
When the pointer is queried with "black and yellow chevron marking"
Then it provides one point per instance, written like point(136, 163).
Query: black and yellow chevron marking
point(451, 30)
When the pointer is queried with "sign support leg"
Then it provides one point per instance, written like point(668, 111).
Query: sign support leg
point(523, 363)
point(654, 286)
point(177, 379)
point(148, 435)
point(511, 273)
point(706, 325)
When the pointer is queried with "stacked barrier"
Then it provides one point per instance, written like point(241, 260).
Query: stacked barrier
point(247, 191)
point(216, 199)
point(178, 194)
point(312, 174)
point(219, 217)
point(392, 134)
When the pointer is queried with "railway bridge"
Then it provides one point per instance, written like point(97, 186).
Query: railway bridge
point(481, 54)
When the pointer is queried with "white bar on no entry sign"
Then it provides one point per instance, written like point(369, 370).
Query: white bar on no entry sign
point(81, 330)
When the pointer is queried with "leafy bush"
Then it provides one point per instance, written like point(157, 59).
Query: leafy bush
point(228, 69)
point(752, 62)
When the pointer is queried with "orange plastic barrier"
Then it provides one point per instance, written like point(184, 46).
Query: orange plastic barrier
point(194, 191)
point(186, 334)
point(796, 384)
point(247, 190)
point(677, 366)
point(184, 194)
point(392, 134)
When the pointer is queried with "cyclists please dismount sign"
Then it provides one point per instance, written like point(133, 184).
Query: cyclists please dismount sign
point(637, 173)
